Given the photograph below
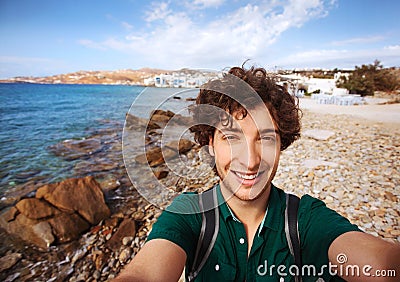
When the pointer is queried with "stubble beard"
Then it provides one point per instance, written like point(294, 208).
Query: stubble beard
point(234, 190)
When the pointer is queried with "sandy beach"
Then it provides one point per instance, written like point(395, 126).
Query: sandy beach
point(388, 114)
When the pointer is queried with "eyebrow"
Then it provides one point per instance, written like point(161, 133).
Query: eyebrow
point(238, 130)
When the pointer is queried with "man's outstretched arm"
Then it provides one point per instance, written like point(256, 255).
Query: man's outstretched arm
point(375, 258)
point(158, 260)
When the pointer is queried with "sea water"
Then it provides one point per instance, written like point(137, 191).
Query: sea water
point(35, 116)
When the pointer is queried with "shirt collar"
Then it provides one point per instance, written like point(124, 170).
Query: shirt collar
point(276, 203)
point(262, 222)
point(271, 217)
point(223, 206)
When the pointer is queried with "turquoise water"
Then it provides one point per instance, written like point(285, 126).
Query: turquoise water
point(34, 116)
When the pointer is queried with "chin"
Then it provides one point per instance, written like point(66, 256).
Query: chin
point(248, 195)
point(245, 193)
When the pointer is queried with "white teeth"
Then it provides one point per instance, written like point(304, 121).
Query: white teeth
point(246, 176)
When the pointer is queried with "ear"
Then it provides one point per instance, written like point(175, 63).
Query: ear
point(211, 147)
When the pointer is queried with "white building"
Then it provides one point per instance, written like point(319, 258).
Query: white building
point(327, 86)
point(179, 79)
point(324, 85)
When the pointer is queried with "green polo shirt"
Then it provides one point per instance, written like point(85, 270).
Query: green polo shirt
point(270, 258)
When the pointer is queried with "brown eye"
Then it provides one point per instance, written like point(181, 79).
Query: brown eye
point(230, 137)
point(268, 138)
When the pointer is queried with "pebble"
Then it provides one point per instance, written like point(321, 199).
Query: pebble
point(96, 274)
point(125, 255)
point(127, 240)
point(12, 277)
point(78, 255)
point(9, 261)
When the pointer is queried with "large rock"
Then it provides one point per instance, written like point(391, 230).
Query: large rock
point(135, 123)
point(319, 134)
point(160, 119)
point(181, 120)
point(60, 213)
point(75, 149)
point(127, 228)
point(182, 145)
point(68, 227)
point(160, 112)
point(157, 156)
point(43, 230)
point(34, 208)
point(81, 195)
point(150, 156)
point(33, 231)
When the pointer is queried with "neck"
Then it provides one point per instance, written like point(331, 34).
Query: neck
point(248, 211)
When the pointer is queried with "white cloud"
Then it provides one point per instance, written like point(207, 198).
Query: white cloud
point(341, 58)
point(392, 47)
point(158, 11)
point(207, 3)
point(358, 40)
point(177, 38)
point(126, 25)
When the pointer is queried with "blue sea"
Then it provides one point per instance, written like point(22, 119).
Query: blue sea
point(35, 116)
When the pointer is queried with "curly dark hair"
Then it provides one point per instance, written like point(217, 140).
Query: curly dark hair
point(230, 94)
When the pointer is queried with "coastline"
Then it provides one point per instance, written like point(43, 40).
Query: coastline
point(353, 170)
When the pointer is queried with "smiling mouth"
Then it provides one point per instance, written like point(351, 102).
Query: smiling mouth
point(247, 176)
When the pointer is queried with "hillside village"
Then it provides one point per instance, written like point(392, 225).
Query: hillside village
point(184, 78)
point(119, 77)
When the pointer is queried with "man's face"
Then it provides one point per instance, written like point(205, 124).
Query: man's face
point(247, 154)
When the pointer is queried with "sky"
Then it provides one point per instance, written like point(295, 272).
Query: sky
point(48, 37)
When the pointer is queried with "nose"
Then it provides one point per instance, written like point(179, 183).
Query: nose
point(250, 156)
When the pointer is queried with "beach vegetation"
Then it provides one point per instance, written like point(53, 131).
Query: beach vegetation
point(366, 79)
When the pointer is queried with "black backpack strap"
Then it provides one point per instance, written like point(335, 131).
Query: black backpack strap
point(292, 230)
point(208, 204)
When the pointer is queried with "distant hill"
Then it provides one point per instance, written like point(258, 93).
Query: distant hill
point(124, 77)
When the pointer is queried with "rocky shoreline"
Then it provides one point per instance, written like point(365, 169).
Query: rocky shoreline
point(101, 252)
point(349, 163)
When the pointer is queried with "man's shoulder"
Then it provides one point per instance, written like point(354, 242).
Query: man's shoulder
point(278, 193)
point(314, 212)
point(308, 203)
point(185, 203)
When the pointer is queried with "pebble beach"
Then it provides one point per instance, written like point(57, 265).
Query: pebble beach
point(352, 166)
point(348, 159)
